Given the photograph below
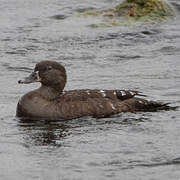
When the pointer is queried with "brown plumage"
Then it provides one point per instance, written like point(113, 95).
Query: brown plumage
point(51, 102)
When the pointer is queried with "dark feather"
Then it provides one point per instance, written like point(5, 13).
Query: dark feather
point(126, 94)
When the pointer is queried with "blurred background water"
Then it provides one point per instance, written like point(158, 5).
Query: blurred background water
point(128, 146)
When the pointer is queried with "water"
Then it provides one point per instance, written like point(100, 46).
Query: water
point(128, 146)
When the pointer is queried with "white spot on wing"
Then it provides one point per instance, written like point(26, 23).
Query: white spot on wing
point(101, 106)
point(103, 93)
point(122, 93)
point(112, 105)
point(114, 93)
point(88, 92)
point(132, 93)
point(140, 102)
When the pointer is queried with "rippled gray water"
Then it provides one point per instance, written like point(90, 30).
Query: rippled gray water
point(129, 146)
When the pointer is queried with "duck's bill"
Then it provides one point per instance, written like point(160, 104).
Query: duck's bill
point(33, 77)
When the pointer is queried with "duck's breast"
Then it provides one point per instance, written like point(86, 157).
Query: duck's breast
point(33, 105)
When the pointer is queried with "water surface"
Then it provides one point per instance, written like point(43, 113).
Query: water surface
point(128, 146)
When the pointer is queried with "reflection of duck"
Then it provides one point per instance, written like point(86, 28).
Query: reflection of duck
point(44, 132)
point(50, 101)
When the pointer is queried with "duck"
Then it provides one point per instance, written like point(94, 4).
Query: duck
point(51, 101)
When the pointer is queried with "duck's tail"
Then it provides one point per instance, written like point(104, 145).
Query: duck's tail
point(141, 104)
point(156, 106)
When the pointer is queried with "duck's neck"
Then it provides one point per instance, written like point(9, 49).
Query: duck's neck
point(49, 93)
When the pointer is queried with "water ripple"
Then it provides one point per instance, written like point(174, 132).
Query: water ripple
point(164, 163)
point(58, 17)
point(11, 68)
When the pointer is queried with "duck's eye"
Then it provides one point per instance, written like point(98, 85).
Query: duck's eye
point(49, 67)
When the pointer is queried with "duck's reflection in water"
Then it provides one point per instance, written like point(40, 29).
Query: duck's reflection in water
point(41, 132)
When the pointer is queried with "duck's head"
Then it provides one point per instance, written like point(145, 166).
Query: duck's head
point(48, 73)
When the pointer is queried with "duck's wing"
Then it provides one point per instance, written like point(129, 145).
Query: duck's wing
point(127, 94)
point(116, 100)
point(83, 95)
point(103, 103)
